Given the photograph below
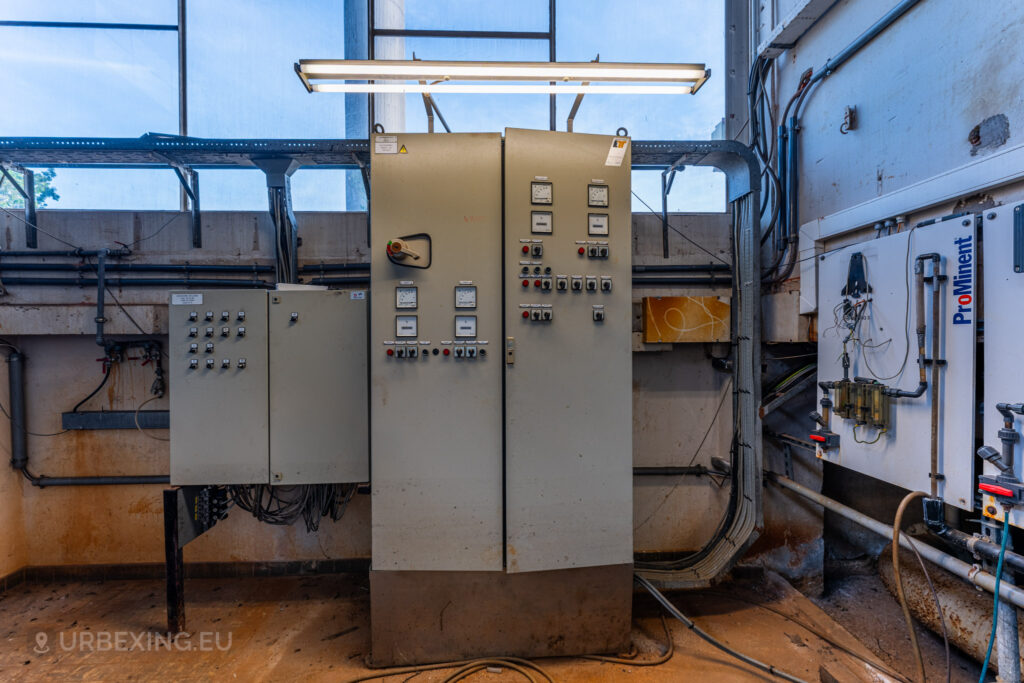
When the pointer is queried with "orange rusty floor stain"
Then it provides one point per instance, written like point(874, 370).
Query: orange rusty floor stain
point(316, 628)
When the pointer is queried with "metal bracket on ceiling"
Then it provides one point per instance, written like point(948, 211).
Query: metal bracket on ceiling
point(578, 101)
point(28, 192)
point(431, 106)
point(667, 177)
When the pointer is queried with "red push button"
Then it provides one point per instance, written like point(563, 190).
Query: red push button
point(391, 352)
point(996, 490)
point(536, 283)
point(526, 314)
point(526, 283)
point(581, 251)
point(446, 351)
point(526, 249)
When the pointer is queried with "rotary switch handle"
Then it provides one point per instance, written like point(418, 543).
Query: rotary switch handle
point(399, 249)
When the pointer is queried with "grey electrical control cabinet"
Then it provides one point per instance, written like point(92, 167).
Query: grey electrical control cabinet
point(268, 387)
point(318, 386)
point(568, 323)
point(435, 352)
point(217, 350)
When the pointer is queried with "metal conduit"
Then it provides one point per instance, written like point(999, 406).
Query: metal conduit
point(982, 579)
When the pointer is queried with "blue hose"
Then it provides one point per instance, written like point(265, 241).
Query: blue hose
point(995, 607)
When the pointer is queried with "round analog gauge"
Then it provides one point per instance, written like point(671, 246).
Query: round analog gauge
point(465, 296)
point(597, 195)
point(405, 297)
point(540, 193)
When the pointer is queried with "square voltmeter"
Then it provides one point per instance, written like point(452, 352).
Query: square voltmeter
point(465, 296)
point(597, 196)
point(405, 297)
point(541, 192)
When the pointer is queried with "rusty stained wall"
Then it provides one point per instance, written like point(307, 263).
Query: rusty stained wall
point(676, 394)
point(13, 553)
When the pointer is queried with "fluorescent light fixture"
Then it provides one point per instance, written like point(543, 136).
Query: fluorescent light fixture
point(330, 75)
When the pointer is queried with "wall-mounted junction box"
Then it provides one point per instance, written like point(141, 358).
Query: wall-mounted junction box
point(268, 387)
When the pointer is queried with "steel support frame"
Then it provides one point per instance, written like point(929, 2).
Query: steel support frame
point(28, 192)
point(181, 526)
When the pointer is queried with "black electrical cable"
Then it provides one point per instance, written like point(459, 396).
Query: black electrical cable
point(704, 635)
point(107, 364)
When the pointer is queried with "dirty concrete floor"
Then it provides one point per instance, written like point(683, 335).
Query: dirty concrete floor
point(863, 605)
point(316, 628)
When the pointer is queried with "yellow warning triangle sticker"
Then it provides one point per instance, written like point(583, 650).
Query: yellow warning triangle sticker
point(403, 150)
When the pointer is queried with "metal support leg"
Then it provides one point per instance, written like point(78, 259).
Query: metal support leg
point(190, 183)
point(31, 235)
point(175, 563)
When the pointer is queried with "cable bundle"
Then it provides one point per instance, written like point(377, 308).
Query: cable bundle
point(284, 505)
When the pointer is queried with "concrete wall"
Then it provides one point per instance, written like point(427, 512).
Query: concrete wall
point(676, 395)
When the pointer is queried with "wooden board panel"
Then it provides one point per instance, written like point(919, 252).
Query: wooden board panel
point(676, 319)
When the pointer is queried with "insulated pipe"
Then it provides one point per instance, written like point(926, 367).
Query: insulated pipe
point(922, 328)
point(120, 480)
point(136, 267)
point(976, 545)
point(19, 432)
point(982, 579)
point(135, 282)
point(936, 320)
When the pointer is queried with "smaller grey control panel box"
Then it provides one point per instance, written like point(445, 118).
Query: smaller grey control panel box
point(218, 384)
point(268, 387)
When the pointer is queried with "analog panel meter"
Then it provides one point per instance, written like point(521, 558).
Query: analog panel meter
point(541, 192)
point(405, 297)
point(465, 296)
point(597, 224)
point(540, 223)
point(597, 195)
point(405, 326)
point(465, 326)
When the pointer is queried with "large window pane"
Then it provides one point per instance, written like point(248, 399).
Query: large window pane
point(81, 188)
point(463, 15)
point(695, 189)
point(95, 11)
point(323, 189)
point(467, 113)
point(88, 82)
point(232, 189)
point(241, 81)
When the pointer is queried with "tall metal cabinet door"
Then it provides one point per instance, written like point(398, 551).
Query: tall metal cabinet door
point(217, 348)
point(318, 387)
point(569, 425)
point(435, 352)
point(1003, 247)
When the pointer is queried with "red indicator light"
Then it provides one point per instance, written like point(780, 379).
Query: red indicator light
point(526, 249)
point(818, 438)
point(581, 251)
point(996, 490)
point(526, 314)
point(526, 283)
point(536, 283)
point(391, 352)
point(446, 351)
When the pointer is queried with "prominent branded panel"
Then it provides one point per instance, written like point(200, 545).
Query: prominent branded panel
point(436, 353)
point(884, 349)
point(217, 366)
point(568, 321)
point(1003, 248)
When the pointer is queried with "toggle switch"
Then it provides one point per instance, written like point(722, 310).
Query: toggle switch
point(209, 347)
point(193, 331)
point(561, 284)
point(606, 284)
point(470, 352)
point(193, 363)
point(598, 315)
point(241, 331)
point(193, 348)
point(591, 283)
point(225, 331)
point(225, 363)
point(209, 363)
point(224, 315)
point(209, 331)
point(209, 316)
point(193, 316)
point(602, 252)
point(535, 314)
point(294, 317)
point(241, 362)
point(545, 284)
point(577, 283)
point(401, 352)
point(413, 352)
point(460, 351)
point(241, 315)
point(547, 314)
point(592, 251)
point(537, 250)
